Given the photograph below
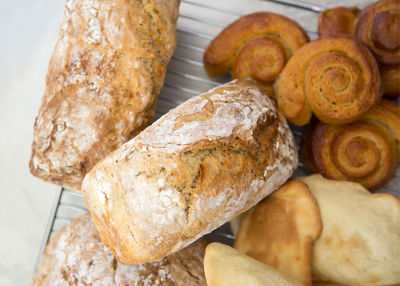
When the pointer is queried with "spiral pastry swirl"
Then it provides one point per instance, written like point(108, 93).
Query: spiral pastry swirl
point(257, 45)
point(378, 26)
point(366, 151)
point(337, 79)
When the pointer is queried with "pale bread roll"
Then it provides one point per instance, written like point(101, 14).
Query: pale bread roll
point(225, 266)
point(281, 229)
point(204, 162)
point(360, 240)
point(102, 83)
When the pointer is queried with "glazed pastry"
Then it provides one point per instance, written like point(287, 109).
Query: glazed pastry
point(282, 227)
point(337, 21)
point(360, 239)
point(225, 266)
point(200, 165)
point(76, 256)
point(257, 45)
point(366, 151)
point(391, 82)
point(377, 26)
point(102, 83)
point(337, 79)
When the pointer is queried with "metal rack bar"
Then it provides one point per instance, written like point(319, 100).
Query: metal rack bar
point(299, 4)
point(49, 225)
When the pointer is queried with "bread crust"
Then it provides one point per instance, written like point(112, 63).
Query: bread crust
point(76, 256)
point(103, 79)
point(200, 165)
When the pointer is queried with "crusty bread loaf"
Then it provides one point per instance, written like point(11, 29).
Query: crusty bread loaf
point(76, 256)
point(200, 165)
point(103, 79)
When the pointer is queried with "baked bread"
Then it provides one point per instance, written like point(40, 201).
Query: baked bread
point(204, 162)
point(76, 256)
point(281, 229)
point(366, 151)
point(359, 242)
point(225, 266)
point(377, 26)
point(105, 73)
point(360, 239)
point(337, 79)
point(257, 45)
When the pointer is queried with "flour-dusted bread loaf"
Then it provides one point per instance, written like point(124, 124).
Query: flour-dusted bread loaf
point(76, 256)
point(103, 79)
point(197, 167)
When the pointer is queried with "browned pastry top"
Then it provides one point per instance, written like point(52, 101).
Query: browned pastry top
point(366, 151)
point(76, 256)
point(256, 45)
point(337, 20)
point(336, 78)
point(378, 27)
point(103, 78)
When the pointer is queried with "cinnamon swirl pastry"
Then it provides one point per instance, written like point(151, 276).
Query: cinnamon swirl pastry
point(366, 151)
point(377, 26)
point(336, 78)
point(257, 45)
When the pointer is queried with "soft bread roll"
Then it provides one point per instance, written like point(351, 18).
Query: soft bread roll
point(281, 229)
point(200, 165)
point(76, 256)
point(225, 266)
point(103, 79)
point(360, 240)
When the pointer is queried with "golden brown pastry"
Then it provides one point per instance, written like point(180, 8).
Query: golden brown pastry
point(366, 151)
point(337, 79)
point(76, 256)
point(391, 82)
point(200, 165)
point(103, 79)
point(281, 229)
point(225, 266)
point(377, 26)
point(360, 239)
point(337, 21)
point(257, 45)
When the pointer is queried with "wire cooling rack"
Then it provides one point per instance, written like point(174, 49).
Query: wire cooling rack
point(199, 22)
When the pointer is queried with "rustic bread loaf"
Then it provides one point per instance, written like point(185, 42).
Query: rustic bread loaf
point(76, 256)
point(103, 79)
point(200, 165)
